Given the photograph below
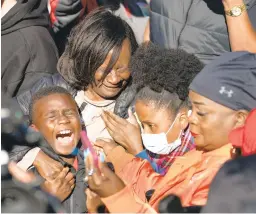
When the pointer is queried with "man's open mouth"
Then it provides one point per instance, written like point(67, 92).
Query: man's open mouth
point(65, 136)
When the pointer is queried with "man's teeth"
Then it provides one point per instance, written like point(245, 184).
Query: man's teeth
point(65, 132)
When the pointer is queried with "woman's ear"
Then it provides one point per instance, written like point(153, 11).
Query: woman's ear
point(33, 126)
point(183, 119)
point(241, 116)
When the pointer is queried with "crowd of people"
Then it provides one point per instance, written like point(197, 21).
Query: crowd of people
point(165, 90)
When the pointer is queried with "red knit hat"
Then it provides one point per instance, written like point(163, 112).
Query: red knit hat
point(245, 137)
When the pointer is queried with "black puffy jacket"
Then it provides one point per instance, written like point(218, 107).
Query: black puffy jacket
point(196, 26)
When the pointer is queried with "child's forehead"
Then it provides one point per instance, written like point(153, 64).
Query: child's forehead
point(56, 102)
point(59, 97)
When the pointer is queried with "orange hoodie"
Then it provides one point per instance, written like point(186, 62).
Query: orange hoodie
point(189, 177)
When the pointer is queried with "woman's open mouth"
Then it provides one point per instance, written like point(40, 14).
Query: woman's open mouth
point(65, 137)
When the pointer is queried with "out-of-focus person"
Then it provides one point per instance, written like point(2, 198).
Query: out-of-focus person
point(28, 50)
point(244, 138)
point(233, 189)
point(64, 15)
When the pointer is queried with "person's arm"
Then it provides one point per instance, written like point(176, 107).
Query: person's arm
point(115, 194)
point(46, 166)
point(130, 169)
point(134, 171)
point(242, 34)
point(28, 159)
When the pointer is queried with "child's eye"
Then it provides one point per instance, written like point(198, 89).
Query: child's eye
point(70, 113)
point(151, 126)
point(51, 116)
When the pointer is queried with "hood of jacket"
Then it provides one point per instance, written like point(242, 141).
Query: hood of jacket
point(23, 14)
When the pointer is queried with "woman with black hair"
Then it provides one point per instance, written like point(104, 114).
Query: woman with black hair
point(162, 78)
point(95, 62)
point(94, 69)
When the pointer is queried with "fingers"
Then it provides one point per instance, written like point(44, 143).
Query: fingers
point(115, 118)
point(100, 142)
point(132, 119)
point(110, 132)
point(19, 174)
point(63, 173)
point(69, 176)
point(104, 143)
point(72, 182)
point(109, 122)
point(89, 164)
point(90, 194)
point(104, 147)
point(95, 177)
point(72, 187)
point(107, 172)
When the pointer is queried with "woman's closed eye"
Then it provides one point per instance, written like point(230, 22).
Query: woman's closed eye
point(201, 113)
point(121, 69)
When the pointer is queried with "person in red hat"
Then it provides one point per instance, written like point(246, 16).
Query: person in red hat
point(243, 139)
point(233, 189)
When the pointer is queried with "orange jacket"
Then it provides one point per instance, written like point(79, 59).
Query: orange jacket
point(189, 177)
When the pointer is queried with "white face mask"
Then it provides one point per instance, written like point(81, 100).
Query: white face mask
point(158, 144)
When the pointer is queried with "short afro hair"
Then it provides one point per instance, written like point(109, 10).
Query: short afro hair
point(157, 71)
point(44, 92)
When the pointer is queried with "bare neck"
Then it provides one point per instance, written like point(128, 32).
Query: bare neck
point(6, 6)
point(92, 95)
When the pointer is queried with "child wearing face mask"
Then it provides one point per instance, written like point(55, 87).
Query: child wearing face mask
point(161, 146)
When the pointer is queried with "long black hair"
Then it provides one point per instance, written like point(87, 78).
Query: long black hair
point(89, 44)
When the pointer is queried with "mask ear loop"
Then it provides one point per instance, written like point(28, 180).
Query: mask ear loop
point(173, 123)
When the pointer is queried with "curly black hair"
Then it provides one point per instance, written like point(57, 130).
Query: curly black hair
point(89, 44)
point(156, 71)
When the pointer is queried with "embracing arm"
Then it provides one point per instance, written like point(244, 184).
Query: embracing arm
point(135, 171)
